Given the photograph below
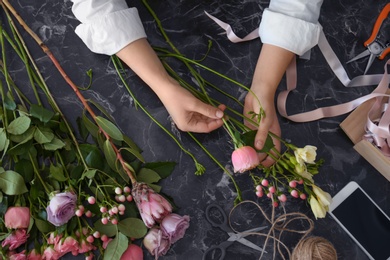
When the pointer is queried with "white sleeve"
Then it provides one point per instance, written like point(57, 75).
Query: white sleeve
point(107, 26)
point(291, 24)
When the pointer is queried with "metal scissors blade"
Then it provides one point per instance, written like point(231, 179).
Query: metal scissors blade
point(361, 55)
point(239, 237)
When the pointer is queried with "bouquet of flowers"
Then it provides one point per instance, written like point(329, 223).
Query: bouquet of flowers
point(60, 194)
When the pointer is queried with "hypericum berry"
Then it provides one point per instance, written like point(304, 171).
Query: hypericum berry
point(122, 198)
point(292, 184)
point(282, 198)
point(269, 195)
point(126, 189)
point(272, 189)
point(104, 238)
point(115, 210)
point(104, 220)
point(121, 213)
point(118, 191)
point(294, 193)
point(275, 204)
point(259, 194)
point(78, 213)
point(88, 214)
point(300, 181)
point(264, 182)
point(96, 234)
point(258, 188)
point(103, 209)
point(129, 198)
point(121, 207)
point(91, 200)
point(81, 207)
point(302, 196)
point(90, 239)
point(114, 221)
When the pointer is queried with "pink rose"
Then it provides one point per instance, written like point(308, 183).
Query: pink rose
point(66, 245)
point(50, 254)
point(84, 247)
point(17, 256)
point(54, 238)
point(17, 217)
point(133, 252)
point(15, 239)
point(245, 158)
point(175, 226)
point(61, 208)
point(156, 242)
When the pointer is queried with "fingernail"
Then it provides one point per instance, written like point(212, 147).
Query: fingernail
point(219, 114)
point(259, 145)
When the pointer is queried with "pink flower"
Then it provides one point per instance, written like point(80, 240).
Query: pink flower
point(106, 242)
point(84, 247)
point(34, 255)
point(133, 252)
point(244, 158)
point(156, 242)
point(50, 254)
point(152, 206)
point(54, 239)
point(61, 208)
point(66, 245)
point(17, 256)
point(175, 226)
point(15, 239)
point(17, 217)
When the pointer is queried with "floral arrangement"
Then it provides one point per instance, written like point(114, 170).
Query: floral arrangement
point(60, 194)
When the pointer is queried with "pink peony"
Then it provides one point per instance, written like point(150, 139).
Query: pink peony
point(175, 226)
point(133, 252)
point(156, 242)
point(61, 208)
point(152, 206)
point(15, 239)
point(244, 158)
point(34, 255)
point(17, 217)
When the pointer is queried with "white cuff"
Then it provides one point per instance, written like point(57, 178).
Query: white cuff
point(112, 32)
point(290, 33)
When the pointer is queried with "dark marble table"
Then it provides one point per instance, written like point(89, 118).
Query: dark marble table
point(347, 24)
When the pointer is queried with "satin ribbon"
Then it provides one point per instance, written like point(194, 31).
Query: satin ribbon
point(377, 129)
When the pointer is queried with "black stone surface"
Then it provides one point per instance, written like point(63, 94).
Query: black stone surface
point(347, 24)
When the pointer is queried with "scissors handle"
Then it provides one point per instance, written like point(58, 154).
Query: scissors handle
point(378, 23)
point(216, 252)
point(214, 211)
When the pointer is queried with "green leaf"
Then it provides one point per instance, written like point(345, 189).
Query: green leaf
point(110, 155)
point(116, 247)
point(248, 138)
point(109, 128)
point(94, 159)
point(44, 226)
point(41, 113)
point(164, 169)
point(9, 103)
point(12, 183)
point(131, 143)
point(133, 152)
point(148, 176)
point(43, 135)
point(20, 149)
point(57, 172)
point(108, 229)
point(89, 174)
point(132, 227)
point(23, 138)
point(19, 125)
point(26, 169)
point(92, 128)
point(55, 144)
point(3, 139)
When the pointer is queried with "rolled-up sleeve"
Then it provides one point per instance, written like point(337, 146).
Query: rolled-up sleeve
point(107, 26)
point(291, 24)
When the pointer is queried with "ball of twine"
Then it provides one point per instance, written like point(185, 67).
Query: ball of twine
point(314, 248)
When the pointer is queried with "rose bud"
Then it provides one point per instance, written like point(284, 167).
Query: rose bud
point(133, 252)
point(61, 208)
point(244, 158)
point(34, 255)
point(152, 206)
point(156, 242)
point(17, 217)
point(175, 226)
point(15, 239)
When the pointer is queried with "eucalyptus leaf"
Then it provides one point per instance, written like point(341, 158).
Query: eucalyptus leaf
point(116, 247)
point(19, 125)
point(12, 183)
point(43, 114)
point(108, 127)
point(132, 227)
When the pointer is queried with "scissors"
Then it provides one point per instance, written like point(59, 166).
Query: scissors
point(377, 45)
point(217, 218)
